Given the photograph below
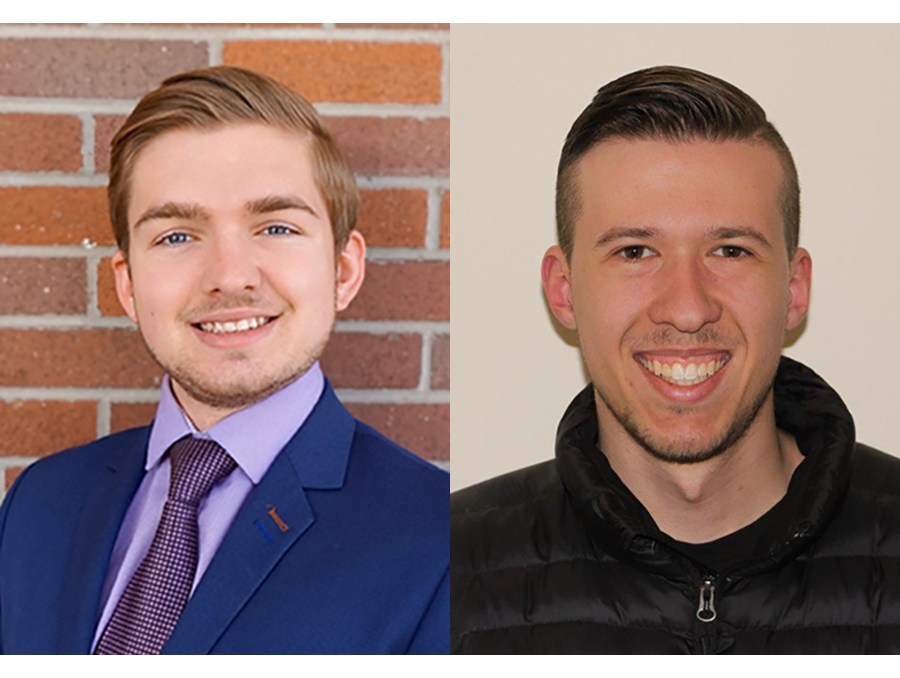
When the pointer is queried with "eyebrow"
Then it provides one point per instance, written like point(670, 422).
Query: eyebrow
point(732, 232)
point(194, 212)
point(188, 211)
point(276, 203)
point(614, 234)
point(715, 233)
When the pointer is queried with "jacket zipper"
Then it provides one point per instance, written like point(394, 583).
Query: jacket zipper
point(706, 613)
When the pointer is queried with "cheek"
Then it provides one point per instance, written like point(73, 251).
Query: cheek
point(308, 282)
point(605, 313)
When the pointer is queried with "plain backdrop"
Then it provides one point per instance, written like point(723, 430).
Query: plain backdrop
point(833, 93)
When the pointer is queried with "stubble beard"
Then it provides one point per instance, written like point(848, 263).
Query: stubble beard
point(672, 452)
point(243, 394)
point(238, 395)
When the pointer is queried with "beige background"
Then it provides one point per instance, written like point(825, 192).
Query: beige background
point(833, 93)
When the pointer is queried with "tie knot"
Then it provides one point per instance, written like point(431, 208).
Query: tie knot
point(197, 465)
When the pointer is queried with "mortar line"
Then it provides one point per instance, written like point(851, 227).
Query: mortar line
point(200, 33)
point(215, 47)
point(70, 179)
point(425, 376)
point(88, 128)
point(92, 262)
point(445, 73)
point(103, 416)
point(55, 251)
point(433, 224)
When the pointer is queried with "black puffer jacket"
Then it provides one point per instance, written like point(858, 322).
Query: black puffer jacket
point(560, 557)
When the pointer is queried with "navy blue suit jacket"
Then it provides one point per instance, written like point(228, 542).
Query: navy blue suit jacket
point(361, 568)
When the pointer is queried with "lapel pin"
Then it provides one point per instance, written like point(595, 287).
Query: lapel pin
point(278, 521)
point(265, 534)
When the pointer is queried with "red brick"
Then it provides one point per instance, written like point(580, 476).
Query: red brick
point(393, 217)
point(12, 474)
point(39, 286)
point(124, 416)
point(35, 428)
point(359, 360)
point(440, 362)
point(107, 300)
point(124, 69)
point(105, 128)
point(39, 143)
point(394, 146)
point(411, 290)
point(54, 215)
point(85, 358)
point(435, 26)
point(422, 429)
point(346, 71)
point(445, 219)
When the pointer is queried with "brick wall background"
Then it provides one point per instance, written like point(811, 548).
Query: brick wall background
point(72, 365)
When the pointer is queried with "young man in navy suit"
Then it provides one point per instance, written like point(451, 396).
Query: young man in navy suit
point(234, 214)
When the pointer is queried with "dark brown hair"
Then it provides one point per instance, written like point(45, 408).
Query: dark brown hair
point(213, 97)
point(670, 103)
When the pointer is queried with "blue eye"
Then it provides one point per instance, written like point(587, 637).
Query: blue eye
point(175, 239)
point(278, 229)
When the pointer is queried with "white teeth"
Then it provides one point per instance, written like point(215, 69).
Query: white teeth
point(683, 375)
point(239, 326)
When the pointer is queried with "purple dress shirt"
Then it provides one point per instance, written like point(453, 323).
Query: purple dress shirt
point(253, 437)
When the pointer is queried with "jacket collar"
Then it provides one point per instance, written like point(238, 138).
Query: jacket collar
point(805, 406)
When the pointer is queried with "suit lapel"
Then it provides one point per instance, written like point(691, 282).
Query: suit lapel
point(98, 526)
point(257, 543)
point(275, 516)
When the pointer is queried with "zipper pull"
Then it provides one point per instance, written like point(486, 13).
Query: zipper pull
point(706, 611)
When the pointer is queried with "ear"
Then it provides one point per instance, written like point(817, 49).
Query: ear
point(799, 288)
point(351, 270)
point(124, 288)
point(557, 278)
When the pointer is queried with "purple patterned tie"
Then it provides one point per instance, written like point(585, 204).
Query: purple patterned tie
point(158, 591)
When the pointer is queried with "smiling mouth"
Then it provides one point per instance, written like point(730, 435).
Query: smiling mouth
point(231, 327)
point(683, 372)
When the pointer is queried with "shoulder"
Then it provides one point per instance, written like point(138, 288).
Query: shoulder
point(384, 457)
point(79, 464)
point(397, 486)
point(875, 473)
point(509, 492)
point(493, 524)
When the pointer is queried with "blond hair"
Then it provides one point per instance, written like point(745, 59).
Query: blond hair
point(212, 97)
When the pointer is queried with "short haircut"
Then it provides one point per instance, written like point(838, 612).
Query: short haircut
point(670, 103)
point(210, 98)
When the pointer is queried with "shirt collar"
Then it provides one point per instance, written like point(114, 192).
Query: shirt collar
point(252, 436)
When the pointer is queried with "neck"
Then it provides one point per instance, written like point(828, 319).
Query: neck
point(202, 416)
point(702, 502)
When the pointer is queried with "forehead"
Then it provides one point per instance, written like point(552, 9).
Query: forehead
point(223, 168)
point(679, 186)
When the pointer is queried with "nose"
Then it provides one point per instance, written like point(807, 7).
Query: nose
point(230, 266)
point(685, 296)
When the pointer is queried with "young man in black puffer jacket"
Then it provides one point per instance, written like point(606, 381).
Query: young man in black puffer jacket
point(707, 495)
